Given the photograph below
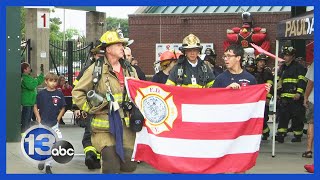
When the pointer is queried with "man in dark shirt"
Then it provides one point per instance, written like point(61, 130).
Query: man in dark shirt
point(235, 76)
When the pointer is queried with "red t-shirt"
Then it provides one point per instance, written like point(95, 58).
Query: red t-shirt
point(65, 91)
point(120, 76)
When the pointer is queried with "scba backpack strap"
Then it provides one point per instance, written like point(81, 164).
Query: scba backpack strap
point(181, 70)
point(205, 76)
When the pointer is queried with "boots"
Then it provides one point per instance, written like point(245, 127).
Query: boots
point(265, 136)
point(296, 139)
point(280, 137)
point(91, 160)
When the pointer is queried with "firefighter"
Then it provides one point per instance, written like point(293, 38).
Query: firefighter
point(100, 92)
point(210, 58)
point(92, 157)
point(291, 86)
point(262, 76)
point(167, 61)
point(190, 70)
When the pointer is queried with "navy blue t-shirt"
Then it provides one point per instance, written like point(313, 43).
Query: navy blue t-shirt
point(49, 104)
point(160, 77)
point(226, 78)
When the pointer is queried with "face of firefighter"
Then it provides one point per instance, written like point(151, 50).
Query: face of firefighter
point(288, 58)
point(261, 64)
point(231, 60)
point(127, 52)
point(116, 50)
point(192, 54)
point(51, 84)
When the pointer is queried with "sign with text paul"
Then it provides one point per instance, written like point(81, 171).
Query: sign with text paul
point(301, 27)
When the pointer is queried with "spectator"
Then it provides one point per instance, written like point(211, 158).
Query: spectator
point(49, 110)
point(66, 89)
point(28, 94)
point(308, 103)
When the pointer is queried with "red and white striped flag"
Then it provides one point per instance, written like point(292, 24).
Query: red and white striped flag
point(191, 130)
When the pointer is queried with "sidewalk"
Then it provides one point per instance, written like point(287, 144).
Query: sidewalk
point(288, 158)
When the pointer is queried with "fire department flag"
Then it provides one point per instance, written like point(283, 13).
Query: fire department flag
point(191, 130)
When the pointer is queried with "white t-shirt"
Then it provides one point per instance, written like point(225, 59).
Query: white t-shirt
point(310, 76)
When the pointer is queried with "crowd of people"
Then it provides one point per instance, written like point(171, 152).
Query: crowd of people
point(106, 114)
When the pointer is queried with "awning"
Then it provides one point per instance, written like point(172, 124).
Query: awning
point(300, 27)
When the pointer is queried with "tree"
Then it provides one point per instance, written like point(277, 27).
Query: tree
point(55, 34)
point(114, 23)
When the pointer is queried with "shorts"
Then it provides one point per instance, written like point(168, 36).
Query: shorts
point(309, 113)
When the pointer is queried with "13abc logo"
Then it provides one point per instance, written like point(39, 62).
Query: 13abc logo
point(40, 144)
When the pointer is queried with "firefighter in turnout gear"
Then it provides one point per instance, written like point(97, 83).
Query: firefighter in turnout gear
point(101, 93)
point(291, 86)
point(191, 71)
point(262, 76)
point(92, 157)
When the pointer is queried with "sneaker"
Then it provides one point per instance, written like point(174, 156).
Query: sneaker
point(296, 139)
point(48, 170)
point(309, 168)
point(41, 166)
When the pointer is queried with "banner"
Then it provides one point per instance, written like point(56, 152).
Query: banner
point(300, 27)
point(191, 130)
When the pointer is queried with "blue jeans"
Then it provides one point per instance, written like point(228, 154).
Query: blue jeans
point(26, 116)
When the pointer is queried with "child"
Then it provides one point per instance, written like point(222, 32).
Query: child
point(28, 94)
point(49, 109)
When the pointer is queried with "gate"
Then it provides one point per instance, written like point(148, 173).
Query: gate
point(68, 57)
point(25, 51)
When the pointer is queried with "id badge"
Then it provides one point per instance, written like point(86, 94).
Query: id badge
point(193, 80)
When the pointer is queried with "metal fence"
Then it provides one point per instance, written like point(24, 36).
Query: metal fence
point(25, 51)
point(67, 57)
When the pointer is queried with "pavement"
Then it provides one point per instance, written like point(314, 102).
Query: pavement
point(287, 160)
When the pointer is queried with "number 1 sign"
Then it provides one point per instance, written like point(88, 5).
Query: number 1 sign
point(42, 19)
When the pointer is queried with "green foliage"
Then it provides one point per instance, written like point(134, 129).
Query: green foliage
point(22, 21)
point(114, 23)
point(55, 34)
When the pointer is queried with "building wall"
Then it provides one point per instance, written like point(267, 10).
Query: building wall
point(149, 29)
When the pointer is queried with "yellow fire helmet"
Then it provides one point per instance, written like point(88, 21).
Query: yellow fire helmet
point(113, 37)
point(191, 41)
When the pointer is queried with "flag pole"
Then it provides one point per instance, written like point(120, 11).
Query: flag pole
point(275, 99)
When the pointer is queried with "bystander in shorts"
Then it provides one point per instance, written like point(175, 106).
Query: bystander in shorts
point(309, 114)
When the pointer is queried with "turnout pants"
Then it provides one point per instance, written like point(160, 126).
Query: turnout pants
point(294, 110)
point(105, 143)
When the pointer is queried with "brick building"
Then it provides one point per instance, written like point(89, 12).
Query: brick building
point(170, 24)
